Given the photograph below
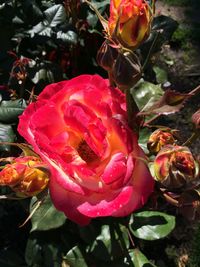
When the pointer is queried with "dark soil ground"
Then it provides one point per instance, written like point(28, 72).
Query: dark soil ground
point(181, 59)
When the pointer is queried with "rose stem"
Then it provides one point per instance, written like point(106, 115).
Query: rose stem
point(152, 119)
point(151, 49)
point(132, 111)
point(192, 138)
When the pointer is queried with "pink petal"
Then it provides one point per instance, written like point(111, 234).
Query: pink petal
point(115, 169)
point(51, 90)
point(142, 182)
point(108, 204)
point(48, 121)
point(67, 202)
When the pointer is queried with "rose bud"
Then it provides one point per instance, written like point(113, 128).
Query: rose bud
point(27, 176)
point(160, 138)
point(196, 119)
point(175, 167)
point(106, 55)
point(126, 70)
point(130, 22)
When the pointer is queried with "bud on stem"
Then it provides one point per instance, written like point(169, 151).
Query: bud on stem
point(106, 55)
point(27, 176)
point(126, 70)
point(176, 168)
point(159, 138)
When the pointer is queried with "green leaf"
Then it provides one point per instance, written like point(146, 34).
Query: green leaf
point(46, 217)
point(166, 25)
point(33, 252)
point(10, 110)
point(54, 16)
point(162, 31)
point(111, 243)
point(40, 252)
point(101, 247)
point(151, 225)
point(29, 12)
point(146, 94)
point(161, 74)
point(92, 18)
point(45, 72)
point(169, 103)
point(69, 37)
point(143, 138)
point(75, 258)
point(139, 259)
point(6, 135)
point(100, 4)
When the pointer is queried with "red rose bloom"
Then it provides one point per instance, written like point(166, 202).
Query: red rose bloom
point(79, 128)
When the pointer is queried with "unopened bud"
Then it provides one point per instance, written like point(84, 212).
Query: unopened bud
point(130, 22)
point(126, 70)
point(175, 167)
point(24, 176)
point(160, 138)
point(196, 119)
point(106, 55)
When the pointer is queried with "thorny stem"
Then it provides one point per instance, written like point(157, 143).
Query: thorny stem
point(150, 50)
point(123, 243)
point(151, 120)
point(130, 237)
point(192, 138)
point(132, 111)
point(195, 90)
point(38, 204)
point(111, 81)
point(171, 200)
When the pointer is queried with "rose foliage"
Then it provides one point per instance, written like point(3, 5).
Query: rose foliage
point(79, 128)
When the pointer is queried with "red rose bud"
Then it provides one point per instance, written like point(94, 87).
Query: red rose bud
point(175, 167)
point(126, 70)
point(25, 175)
point(106, 55)
point(196, 119)
point(130, 21)
point(160, 138)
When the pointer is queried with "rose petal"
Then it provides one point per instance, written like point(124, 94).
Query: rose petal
point(108, 205)
point(115, 169)
point(67, 202)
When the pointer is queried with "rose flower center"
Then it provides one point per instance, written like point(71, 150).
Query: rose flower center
point(86, 153)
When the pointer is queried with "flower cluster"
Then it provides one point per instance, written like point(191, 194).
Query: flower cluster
point(27, 176)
